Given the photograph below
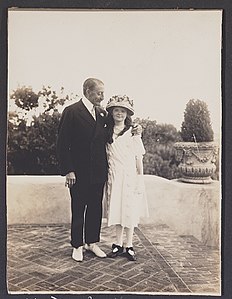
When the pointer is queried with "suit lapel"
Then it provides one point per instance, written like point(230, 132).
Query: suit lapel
point(97, 124)
point(85, 114)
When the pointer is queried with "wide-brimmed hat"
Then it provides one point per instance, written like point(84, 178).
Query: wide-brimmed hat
point(121, 101)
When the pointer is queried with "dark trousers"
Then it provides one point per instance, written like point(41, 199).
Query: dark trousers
point(86, 208)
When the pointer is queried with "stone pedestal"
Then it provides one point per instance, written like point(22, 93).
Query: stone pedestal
point(197, 161)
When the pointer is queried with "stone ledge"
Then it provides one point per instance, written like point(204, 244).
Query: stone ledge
point(189, 209)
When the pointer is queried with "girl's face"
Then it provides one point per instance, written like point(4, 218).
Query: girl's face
point(119, 114)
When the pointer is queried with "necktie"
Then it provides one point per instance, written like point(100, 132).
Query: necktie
point(93, 112)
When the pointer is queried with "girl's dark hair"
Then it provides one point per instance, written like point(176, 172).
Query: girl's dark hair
point(110, 126)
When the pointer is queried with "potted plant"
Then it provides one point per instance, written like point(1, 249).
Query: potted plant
point(197, 152)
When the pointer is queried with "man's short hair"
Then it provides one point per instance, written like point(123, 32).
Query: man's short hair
point(91, 83)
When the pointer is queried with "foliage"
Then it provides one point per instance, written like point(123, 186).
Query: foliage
point(25, 98)
point(158, 141)
point(196, 126)
point(31, 149)
point(51, 100)
point(32, 142)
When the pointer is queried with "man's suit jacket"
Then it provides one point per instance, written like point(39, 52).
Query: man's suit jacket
point(81, 144)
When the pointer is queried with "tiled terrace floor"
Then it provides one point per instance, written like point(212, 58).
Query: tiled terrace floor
point(39, 260)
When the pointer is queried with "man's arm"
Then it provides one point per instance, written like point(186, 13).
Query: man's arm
point(136, 129)
point(64, 143)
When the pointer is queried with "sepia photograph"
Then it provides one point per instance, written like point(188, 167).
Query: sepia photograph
point(114, 151)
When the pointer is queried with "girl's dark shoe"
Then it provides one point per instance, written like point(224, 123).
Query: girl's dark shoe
point(116, 250)
point(130, 254)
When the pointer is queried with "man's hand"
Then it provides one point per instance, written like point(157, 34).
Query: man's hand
point(137, 129)
point(70, 179)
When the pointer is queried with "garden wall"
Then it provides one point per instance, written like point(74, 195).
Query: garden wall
point(189, 209)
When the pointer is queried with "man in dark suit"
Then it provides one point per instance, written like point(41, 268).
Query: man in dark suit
point(82, 157)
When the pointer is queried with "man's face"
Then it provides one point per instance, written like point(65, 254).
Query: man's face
point(96, 95)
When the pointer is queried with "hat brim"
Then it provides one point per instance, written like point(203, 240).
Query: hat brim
point(109, 108)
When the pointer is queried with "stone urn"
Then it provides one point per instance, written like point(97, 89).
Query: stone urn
point(197, 161)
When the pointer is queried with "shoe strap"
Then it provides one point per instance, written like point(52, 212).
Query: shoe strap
point(130, 250)
point(118, 247)
point(115, 250)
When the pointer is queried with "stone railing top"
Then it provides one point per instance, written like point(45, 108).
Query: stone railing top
point(206, 145)
point(46, 179)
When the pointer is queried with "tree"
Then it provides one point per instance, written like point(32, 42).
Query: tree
point(25, 98)
point(158, 141)
point(196, 126)
point(32, 139)
point(32, 136)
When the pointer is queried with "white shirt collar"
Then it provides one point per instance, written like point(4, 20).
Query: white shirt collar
point(87, 104)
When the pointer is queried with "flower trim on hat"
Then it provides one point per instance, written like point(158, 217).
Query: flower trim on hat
point(122, 101)
point(124, 98)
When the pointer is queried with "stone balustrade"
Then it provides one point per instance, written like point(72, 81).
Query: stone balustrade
point(189, 209)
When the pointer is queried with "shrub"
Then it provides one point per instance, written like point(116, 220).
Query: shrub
point(196, 126)
point(32, 140)
point(158, 141)
point(32, 144)
point(32, 149)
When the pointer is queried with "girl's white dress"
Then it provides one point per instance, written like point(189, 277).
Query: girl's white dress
point(124, 192)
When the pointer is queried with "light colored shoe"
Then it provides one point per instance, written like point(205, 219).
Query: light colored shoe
point(77, 254)
point(95, 249)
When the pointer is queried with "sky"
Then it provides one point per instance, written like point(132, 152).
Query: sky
point(161, 58)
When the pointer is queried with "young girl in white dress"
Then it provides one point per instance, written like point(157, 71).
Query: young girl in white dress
point(124, 190)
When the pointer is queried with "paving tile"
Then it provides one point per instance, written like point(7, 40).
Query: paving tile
point(93, 276)
point(102, 279)
point(138, 278)
point(28, 282)
point(64, 281)
point(40, 275)
point(75, 273)
point(13, 288)
point(76, 287)
point(169, 289)
point(142, 286)
point(166, 263)
point(101, 288)
point(131, 273)
point(89, 285)
point(19, 279)
point(46, 285)
point(78, 268)
point(123, 281)
point(114, 286)
point(111, 271)
point(57, 277)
